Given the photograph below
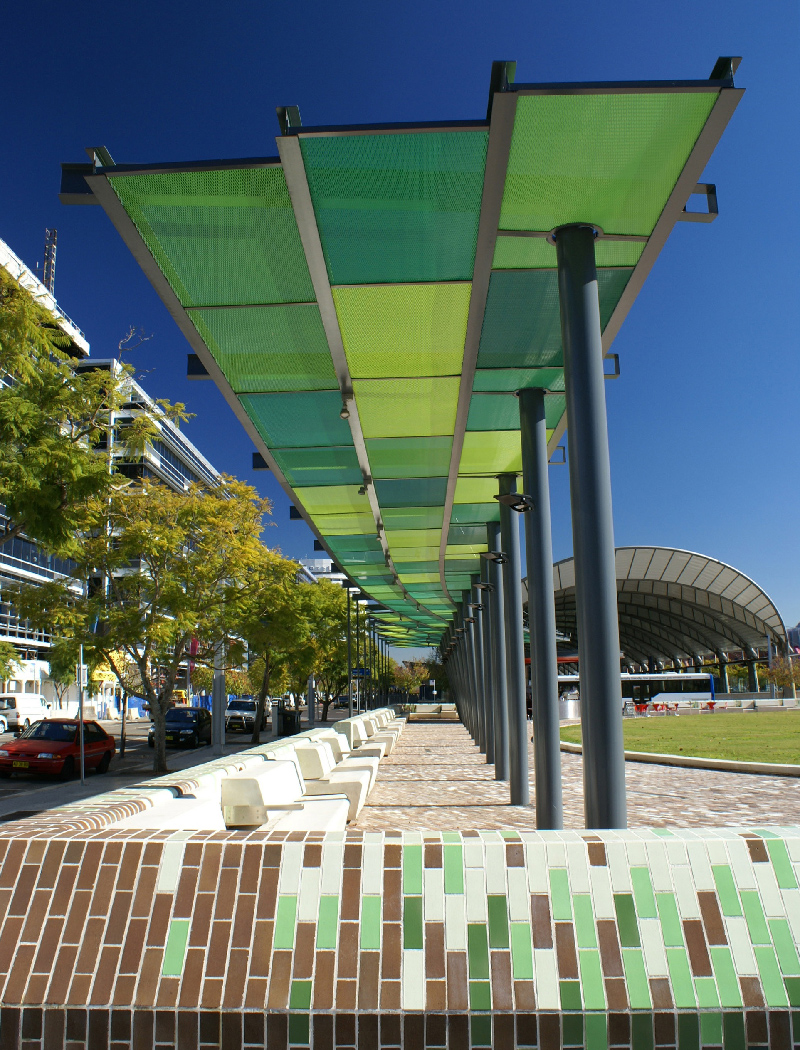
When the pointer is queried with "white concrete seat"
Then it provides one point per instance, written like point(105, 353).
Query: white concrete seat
point(337, 741)
point(355, 783)
point(179, 814)
point(320, 813)
point(255, 795)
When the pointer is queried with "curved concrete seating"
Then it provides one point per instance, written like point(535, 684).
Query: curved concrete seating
point(256, 795)
point(179, 814)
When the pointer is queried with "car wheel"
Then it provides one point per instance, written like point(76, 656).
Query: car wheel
point(68, 769)
point(26, 724)
point(3, 726)
point(150, 742)
point(104, 763)
point(193, 741)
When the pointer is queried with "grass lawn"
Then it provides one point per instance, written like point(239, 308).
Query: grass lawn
point(763, 736)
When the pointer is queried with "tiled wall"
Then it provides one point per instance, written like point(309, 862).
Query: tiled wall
point(646, 939)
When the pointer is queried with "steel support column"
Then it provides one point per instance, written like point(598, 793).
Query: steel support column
point(499, 684)
point(592, 531)
point(541, 612)
point(472, 669)
point(486, 632)
point(480, 679)
point(515, 649)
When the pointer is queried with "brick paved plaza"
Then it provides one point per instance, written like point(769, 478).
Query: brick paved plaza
point(437, 778)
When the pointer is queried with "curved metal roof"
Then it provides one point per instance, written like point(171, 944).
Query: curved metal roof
point(677, 603)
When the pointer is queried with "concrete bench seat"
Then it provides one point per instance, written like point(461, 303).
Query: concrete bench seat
point(319, 813)
point(257, 794)
point(179, 814)
point(355, 783)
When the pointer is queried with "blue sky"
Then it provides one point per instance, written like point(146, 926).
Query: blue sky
point(703, 422)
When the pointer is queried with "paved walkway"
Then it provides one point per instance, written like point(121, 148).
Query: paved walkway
point(437, 778)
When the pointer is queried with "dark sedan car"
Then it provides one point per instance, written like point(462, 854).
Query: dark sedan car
point(186, 727)
point(53, 746)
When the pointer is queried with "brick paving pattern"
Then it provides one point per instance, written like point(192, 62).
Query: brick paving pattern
point(437, 778)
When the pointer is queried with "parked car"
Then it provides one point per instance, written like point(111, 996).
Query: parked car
point(20, 710)
point(52, 746)
point(240, 716)
point(186, 727)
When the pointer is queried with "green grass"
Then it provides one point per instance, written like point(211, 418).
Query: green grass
point(764, 736)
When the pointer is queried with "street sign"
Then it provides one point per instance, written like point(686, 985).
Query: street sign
point(361, 672)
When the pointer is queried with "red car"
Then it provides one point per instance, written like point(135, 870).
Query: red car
point(52, 746)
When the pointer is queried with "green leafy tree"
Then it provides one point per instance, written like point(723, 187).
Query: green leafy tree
point(326, 605)
point(202, 679)
point(171, 567)
point(9, 660)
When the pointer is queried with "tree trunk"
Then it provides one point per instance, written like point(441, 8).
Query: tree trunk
point(123, 730)
point(325, 705)
point(255, 739)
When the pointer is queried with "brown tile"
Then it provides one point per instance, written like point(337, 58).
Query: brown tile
point(549, 1032)
point(503, 1034)
point(209, 1027)
point(262, 948)
point(253, 1029)
point(751, 991)
point(243, 922)
point(433, 854)
point(62, 972)
point(34, 922)
point(660, 991)
point(272, 855)
point(74, 853)
point(457, 998)
point(392, 951)
point(346, 995)
point(392, 856)
point(348, 950)
point(434, 951)
point(616, 994)
point(369, 963)
point(90, 946)
point(143, 1029)
point(712, 917)
point(235, 978)
point(211, 996)
point(187, 1030)
point(148, 977)
point(8, 942)
point(256, 993)
point(133, 945)
point(458, 1032)
point(104, 981)
point(54, 1025)
point(129, 866)
point(117, 920)
point(413, 1030)
point(322, 1031)
point(226, 893)
point(124, 990)
point(167, 996)
point(112, 853)
point(184, 898)
point(392, 895)
point(352, 855)
point(540, 921)
point(251, 867)
point(48, 945)
point(619, 1029)
point(610, 954)
point(351, 892)
point(18, 977)
point(159, 921)
point(232, 856)
point(597, 854)
point(37, 988)
point(267, 893)
point(390, 995)
point(565, 952)
point(279, 981)
point(502, 998)
point(192, 977)
point(758, 851)
point(98, 1029)
point(209, 869)
point(515, 855)
point(48, 872)
point(23, 891)
point(756, 1026)
point(345, 1030)
point(5, 898)
point(367, 1031)
point(526, 1030)
point(435, 1031)
point(436, 996)
point(12, 862)
point(89, 865)
point(103, 890)
point(664, 1025)
point(323, 980)
point(218, 949)
point(62, 895)
point(312, 855)
point(305, 936)
point(201, 920)
point(696, 947)
point(77, 917)
point(779, 1030)
point(145, 891)
point(524, 995)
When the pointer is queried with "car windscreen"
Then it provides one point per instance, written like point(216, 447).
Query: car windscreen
point(9, 702)
point(61, 732)
point(181, 714)
point(242, 705)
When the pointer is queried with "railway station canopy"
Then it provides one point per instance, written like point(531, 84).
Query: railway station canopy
point(674, 603)
point(370, 299)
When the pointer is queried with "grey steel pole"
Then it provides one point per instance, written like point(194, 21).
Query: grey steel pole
point(219, 701)
point(486, 658)
point(500, 690)
point(541, 612)
point(515, 650)
point(477, 637)
point(592, 531)
point(349, 661)
point(472, 670)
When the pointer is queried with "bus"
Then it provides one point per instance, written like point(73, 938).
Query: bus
point(663, 687)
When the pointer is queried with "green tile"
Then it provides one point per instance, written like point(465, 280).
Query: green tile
point(596, 1032)
point(521, 951)
point(592, 980)
point(175, 951)
point(570, 995)
point(688, 1032)
point(626, 920)
point(412, 869)
point(636, 978)
point(498, 920)
point(725, 973)
point(754, 913)
point(451, 836)
point(477, 950)
point(328, 922)
point(559, 894)
point(481, 1031)
point(300, 996)
point(299, 1029)
point(412, 922)
point(663, 833)
point(643, 893)
point(642, 1031)
point(783, 941)
point(371, 922)
point(779, 856)
point(671, 928)
point(284, 922)
point(681, 977)
point(711, 1029)
point(771, 980)
point(733, 1034)
point(572, 1030)
point(793, 991)
point(726, 889)
point(509, 833)
point(453, 869)
point(480, 995)
point(584, 920)
point(706, 990)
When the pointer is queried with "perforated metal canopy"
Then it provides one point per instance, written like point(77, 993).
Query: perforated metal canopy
point(370, 300)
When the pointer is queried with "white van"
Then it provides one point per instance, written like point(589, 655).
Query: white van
point(20, 710)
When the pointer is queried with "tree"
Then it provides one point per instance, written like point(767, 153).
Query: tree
point(63, 662)
point(161, 568)
point(237, 682)
point(202, 679)
point(9, 660)
point(411, 674)
point(782, 673)
point(326, 609)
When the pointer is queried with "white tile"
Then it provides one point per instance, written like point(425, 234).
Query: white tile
point(791, 902)
point(495, 867)
point(578, 866)
point(793, 846)
point(475, 889)
point(545, 976)
point(768, 888)
point(717, 853)
point(741, 864)
point(308, 903)
point(170, 868)
point(618, 866)
point(744, 961)
point(659, 868)
point(556, 855)
point(291, 866)
point(372, 868)
point(433, 894)
point(676, 851)
point(332, 860)
point(519, 904)
point(655, 958)
point(701, 869)
point(536, 867)
point(685, 893)
point(473, 853)
point(412, 994)
point(602, 897)
point(637, 853)
point(455, 923)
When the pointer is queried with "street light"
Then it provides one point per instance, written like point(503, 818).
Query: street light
point(498, 557)
point(517, 501)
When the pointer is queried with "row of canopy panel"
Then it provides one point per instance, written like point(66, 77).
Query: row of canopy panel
point(370, 300)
